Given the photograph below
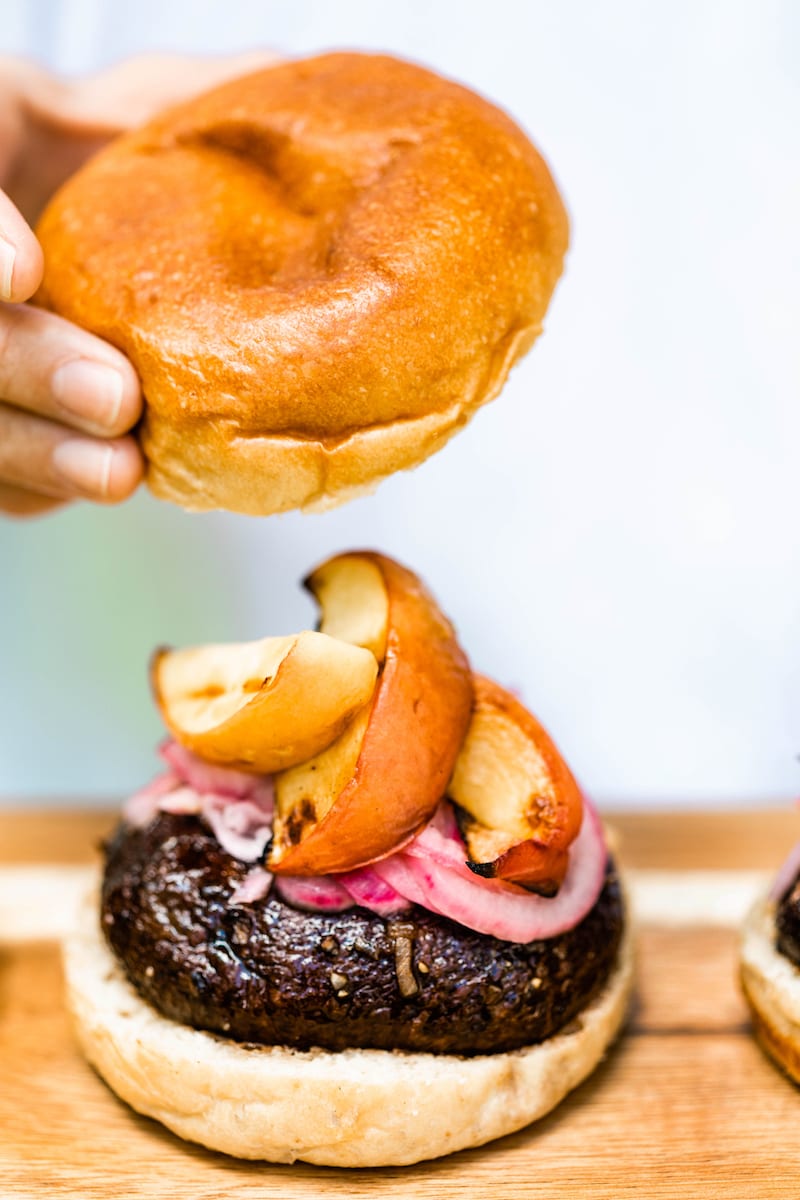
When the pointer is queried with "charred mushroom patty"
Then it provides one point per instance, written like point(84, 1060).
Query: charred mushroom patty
point(268, 973)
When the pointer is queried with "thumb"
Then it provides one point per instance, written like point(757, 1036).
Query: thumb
point(66, 121)
point(131, 92)
point(21, 261)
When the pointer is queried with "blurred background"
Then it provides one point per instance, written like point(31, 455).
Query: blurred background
point(617, 535)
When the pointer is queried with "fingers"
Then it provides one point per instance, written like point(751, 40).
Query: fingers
point(21, 261)
point(52, 368)
point(50, 460)
point(66, 400)
point(17, 502)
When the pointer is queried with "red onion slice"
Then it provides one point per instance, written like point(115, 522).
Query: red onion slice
point(430, 871)
point(372, 891)
point(242, 827)
point(182, 802)
point(222, 781)
point(504, 910)
point(253, 887)
point(786, 874)
point(313, 893)
point(396, 872)
point(238, 807)
point(140, 808)
point(440, 839)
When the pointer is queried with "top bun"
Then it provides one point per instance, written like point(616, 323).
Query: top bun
point(319, 271)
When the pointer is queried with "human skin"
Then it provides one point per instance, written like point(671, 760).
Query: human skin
point(67, 399)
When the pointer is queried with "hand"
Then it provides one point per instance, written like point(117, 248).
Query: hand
point(68, 399)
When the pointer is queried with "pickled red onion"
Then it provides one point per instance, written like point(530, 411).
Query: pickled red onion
point(242, 827)
point(369, 889)
point(786, 874)
point(140, 808)
point(238, 807)
point(395, 872)
point(183, 801)
point(314, 893)
point(254, 886)
point(204, 777)
point(430, 871)
point(504, 910)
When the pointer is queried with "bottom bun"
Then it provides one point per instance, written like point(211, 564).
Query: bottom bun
point(350, 1108)
point(771, 985)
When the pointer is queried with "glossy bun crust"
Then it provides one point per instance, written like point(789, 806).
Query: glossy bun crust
point(319, 271)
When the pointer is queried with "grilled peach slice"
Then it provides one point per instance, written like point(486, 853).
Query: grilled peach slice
point(375, 787)
point(262, 706)
point(521, 807)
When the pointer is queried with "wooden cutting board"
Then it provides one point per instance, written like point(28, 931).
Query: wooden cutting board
point(684, 1106)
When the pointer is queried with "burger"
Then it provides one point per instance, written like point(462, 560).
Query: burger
point(770, 967)
point(365, 916)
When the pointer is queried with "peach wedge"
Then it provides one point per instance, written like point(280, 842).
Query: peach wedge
point(262, 706)
point(375, 787)
point(521, 807)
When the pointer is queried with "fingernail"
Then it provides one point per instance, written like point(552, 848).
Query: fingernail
point(85, 464)
point(8, 254)
point(89, 390)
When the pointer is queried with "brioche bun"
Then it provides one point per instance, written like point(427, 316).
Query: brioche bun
point(320, 271)
point(771, 985)
point(348, 1108)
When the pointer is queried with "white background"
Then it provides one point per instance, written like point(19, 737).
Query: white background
point(618, 533)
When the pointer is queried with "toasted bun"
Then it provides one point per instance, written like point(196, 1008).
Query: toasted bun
point(352, 1108)
point(771, 984)
point(319, 271)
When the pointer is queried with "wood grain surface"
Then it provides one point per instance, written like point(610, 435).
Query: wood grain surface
point(684, 1106)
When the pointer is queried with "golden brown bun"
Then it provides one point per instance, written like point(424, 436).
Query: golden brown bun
point(319, 271)
point(771, 985)
point(354, 1108)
